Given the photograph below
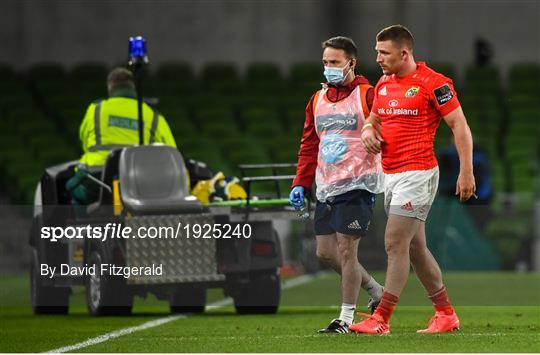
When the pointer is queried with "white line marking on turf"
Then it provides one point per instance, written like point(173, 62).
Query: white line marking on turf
point(117, 333)
point(298, 281)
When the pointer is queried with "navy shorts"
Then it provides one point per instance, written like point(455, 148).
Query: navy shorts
point(349, 213)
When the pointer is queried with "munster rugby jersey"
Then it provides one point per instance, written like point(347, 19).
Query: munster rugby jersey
point(411, 109)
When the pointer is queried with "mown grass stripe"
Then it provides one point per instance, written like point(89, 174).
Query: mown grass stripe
point(295, 282)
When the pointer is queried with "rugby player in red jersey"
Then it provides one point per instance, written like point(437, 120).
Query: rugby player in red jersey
point(410, 100)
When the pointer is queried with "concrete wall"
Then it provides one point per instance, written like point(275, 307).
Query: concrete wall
point(284, 32)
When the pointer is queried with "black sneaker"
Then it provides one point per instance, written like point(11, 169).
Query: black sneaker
point(372, 304)
point(336, 326)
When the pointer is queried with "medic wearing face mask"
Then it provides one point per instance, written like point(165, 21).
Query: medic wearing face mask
point(347, 177)
point(331, 153)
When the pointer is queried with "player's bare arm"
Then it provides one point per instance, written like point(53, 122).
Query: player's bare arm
point(371, 134)
point(465, 185)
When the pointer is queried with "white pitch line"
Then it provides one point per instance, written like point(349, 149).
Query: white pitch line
point(117, 333)
point(298, 281)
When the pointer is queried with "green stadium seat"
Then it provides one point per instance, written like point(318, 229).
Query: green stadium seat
point(293, 100)
point(175, 78)
point(262, 87)
point(220, 72)
point(263, 71)
point(13, 87)
point(525, 72)
point(519, 101)
point(197, 102)
point(226, 87)
point(472, 101)
point(442, 137)
point(481, 127)
point(447, 69)
point(221, 78)
point(47, 72)
point(483, 81)
point(177, 116)
point(89, 71)
point(23, 178)
point(483, 74)
point(372, 73)
point(266, 132)
point(498, 173)
point(10, 80)
point(72, 119)
point(204, 150)
point(32, 128)
point(175, 72)
point(527, 88)
point(16, 99)
point(264, 78)
point(169, 101)
point(263, 114)
point(256, 101)
point(300, 93)
point(7, 72)
point(68, 102)
point(294, 125)
point(522, 128)
point(26, 187)
point(12, 148)
point(49, 88)
point(56, 156)
point(525, 122)
point(55, 142)
point(250, 156)
point(93, 90)
point(492, 117)
point(286, 154)
point(525, 174)
point(306, 73)
point(25, 113)
point(219, 130)
point(206, 115)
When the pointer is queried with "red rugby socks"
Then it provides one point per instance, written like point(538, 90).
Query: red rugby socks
point(441, 302)
point(387, 305)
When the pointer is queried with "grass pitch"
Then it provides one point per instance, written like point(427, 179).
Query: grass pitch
point(499, 312)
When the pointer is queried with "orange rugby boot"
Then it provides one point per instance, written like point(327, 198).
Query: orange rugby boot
point(374, 324)
point(441, 323)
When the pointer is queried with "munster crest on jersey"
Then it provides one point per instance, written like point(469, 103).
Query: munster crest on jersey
point(412, 91)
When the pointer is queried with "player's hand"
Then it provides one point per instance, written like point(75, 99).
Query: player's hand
point(372, 139)
point(296, 197)
point(465, 186)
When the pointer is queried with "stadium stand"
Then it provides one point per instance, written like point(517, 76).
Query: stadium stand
point(224, 117)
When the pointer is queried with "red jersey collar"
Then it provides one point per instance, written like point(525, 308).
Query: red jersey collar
point(419, 66)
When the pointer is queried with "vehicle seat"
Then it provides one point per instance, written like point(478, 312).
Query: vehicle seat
point(154, 180)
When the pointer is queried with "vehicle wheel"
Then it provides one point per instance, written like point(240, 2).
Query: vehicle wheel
point(106, 295)
point(46, 299)
point(188, 300)
point(260, 295)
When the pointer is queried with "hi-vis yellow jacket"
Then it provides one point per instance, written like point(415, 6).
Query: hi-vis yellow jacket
point(113, 123)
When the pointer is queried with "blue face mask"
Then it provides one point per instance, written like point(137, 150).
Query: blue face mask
point(335, 75)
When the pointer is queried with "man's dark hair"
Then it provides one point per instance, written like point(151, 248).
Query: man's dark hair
point(120, 78)
point(344, 43)
point(398, 34)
